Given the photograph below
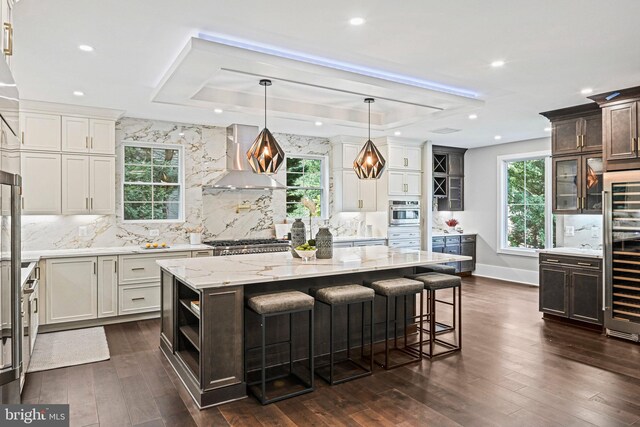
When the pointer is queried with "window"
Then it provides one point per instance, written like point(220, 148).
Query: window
point(525, 219)
point(152, 182)
point(306, 177)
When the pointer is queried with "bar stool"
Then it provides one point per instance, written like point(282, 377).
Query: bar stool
point(393, 289)
point(279, 304)
point(334, 297)
point(436, 268)
point(434, 282)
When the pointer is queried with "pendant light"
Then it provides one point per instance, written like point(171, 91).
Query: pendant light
point(265, 155)
point(369, 164)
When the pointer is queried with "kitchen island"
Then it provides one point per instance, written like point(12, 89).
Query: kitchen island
point(203, 331)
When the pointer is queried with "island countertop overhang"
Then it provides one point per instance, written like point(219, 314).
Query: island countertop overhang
point(239, 270)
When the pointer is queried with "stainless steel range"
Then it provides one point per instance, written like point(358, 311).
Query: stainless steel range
point(247, 246)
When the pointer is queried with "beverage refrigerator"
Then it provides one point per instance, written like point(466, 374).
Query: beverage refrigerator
point(621, 217)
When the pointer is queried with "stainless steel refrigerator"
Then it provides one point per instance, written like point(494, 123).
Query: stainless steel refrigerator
point(621, 289)
point(10, 263)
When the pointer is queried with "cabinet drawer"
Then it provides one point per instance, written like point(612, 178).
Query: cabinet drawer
point(437, 241)
point(409, 243)
point(139, 298)
point(370, 243)
point(468, 239)
point(452, 240)
point(201, 253)
point(570, 260)
point(404, 234)
point(143, 268)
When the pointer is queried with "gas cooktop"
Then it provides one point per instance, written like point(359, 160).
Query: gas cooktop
point(247, 246)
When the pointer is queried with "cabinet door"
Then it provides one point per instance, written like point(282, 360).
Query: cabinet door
point(72, 289)
point(566, 185)
point(565, 137)
point(368, 189)
point(349, 155)
point(620, 131)
point(586, 296)
point(554, 295)
point(592, 133)
point(414, 158)
point(102, 135)
point(41, 178)
point(592, 169)
point(468, 249)
point(453, 250)
point(102, 178)
point(350, 191)
point(107, 286)
point(455, 195)
point(396, 157)
point(396, 183)
point(40, 131)
point(75, 184)
point(75, 134)
point(455, 162)
point(413, 181)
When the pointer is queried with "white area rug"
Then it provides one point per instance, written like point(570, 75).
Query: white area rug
point(68, 348)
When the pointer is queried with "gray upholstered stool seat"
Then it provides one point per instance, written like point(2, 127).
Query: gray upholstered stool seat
point(435, 281)
point(395, 287)
point(343, 294)
point(436, 268)
point(280, 302)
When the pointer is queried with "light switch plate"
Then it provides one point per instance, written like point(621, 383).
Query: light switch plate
point(569, 231)
point(154, 232)
point(595, 231)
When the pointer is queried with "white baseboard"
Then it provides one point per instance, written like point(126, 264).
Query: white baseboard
point(517, 275)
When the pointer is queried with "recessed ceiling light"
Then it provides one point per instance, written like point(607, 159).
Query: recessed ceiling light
point(497, 63)
point(397, 133)
point(473, 116)
point(218, 110)
point(78, 93)
point(497, 137)
point(586, 91)
point(547, 129)
point(318, 123)
point(356, 21)
point(85, 48)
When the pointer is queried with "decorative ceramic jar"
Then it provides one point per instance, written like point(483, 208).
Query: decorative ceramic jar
point(298, 236)
point(324, 243)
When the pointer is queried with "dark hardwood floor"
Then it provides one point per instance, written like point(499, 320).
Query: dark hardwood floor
point(514, 369)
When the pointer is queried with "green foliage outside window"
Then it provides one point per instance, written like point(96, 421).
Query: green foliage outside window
point(304, 179)
point(151, 183)
point(526, 204)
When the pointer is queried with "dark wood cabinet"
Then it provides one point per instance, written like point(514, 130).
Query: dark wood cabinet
point(460, 245)
point(167, 327)
point(571, 287)
point(448, 178)
point(577, 184)
point(575, 130)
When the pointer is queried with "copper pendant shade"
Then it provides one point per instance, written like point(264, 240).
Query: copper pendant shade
point(369, 164)
point(265, 155)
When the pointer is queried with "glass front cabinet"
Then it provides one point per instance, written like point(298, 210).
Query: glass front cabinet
point(577, 184)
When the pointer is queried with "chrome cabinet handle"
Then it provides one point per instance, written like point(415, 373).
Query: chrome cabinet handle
point(91, 203)
point(86, 203)
point(22, 137)
point(37, 271)
point(95, 268)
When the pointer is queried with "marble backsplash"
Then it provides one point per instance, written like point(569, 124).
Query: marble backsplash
point(213, 212)
point(586, 230)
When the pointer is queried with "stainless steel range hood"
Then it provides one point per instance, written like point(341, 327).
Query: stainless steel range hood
point(239, 175)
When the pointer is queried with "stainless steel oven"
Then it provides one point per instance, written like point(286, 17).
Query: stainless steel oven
point(404, 212)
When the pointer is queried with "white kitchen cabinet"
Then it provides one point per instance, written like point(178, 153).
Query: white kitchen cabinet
point(202, 253)
point(102, 185)
point(41, 179)
point(404, 183)
point(403, 157)
point(397, 159)
point(40, 131)
point(75, 134)
point(142, 268)
point(107, 286)
point(75, 184)
point(102, 136)
point(358, 195)
point(72, 289)
point(349, 154)
point(140, 298)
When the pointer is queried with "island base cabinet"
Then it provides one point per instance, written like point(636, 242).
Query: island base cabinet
point(168, 308)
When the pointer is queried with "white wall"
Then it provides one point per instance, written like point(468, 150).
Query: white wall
point(481, 211)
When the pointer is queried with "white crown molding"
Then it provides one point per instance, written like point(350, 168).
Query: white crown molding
point(34, 106)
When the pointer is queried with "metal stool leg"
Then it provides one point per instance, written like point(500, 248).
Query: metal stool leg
point(263, 365)
point(331, 359)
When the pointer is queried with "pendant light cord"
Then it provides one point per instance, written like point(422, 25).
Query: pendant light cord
point(369, 121)
point(265, 106)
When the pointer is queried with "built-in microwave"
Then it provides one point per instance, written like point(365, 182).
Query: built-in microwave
point(404, 212)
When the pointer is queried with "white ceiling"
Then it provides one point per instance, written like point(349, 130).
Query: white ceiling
point(552, 49)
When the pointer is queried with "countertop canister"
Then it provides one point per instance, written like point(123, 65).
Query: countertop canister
point(298, 236)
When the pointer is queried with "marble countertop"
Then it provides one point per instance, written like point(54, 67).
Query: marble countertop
point(213, 272)
point(455, 233)
point(591, 253)
point(28, 256)
point(357, 238)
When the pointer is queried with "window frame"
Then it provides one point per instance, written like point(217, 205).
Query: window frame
point(503, 246)
point(181, 179)
point(324, 184)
